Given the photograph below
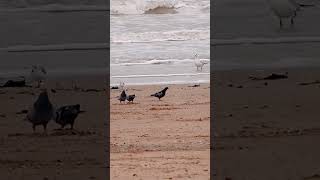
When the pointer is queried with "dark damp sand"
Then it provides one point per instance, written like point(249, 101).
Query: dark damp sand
point(266, 131)
point(61, 154)
point(165, 139)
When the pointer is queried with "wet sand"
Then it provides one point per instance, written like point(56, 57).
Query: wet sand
point(167, 139)
point(60, 154)
point(266, 129)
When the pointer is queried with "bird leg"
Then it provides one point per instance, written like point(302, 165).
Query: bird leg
point(280, 23)
point(34, 128)
point(291, 20)
point(45, 128)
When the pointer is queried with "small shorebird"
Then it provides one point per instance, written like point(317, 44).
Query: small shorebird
point(38, 74)
point(284, 9)
point(161, 93)
point(122, 86)
point(199, 62)
point(41, 112)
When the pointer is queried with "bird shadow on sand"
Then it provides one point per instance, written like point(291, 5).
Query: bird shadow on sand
point(56, 132)
point(123, 104)
point(287, 29)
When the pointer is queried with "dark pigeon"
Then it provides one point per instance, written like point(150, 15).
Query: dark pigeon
point(161, 93)
point(123, 96)
point(67, 115)
point(131, 97)
point(41, 112)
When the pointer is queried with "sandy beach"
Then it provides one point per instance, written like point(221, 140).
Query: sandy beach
point(78, 153)
point(266, 129)
point(167, 139)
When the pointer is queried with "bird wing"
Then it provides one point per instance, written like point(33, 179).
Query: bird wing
point(204, 61)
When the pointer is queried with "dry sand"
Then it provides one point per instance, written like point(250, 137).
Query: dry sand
point(167, 139)
point(60, 155)
point(266, 129)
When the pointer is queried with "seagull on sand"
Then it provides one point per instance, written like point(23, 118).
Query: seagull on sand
point(67, 115)
point(41, 112)
point(161, 93)
point(199, 62)
point(38, 74)
point(122, 85)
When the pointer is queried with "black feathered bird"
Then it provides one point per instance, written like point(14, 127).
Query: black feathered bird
point(161, 93)
point(123, 96)
point(131, 97)
point(67, 115)
point(41, 112)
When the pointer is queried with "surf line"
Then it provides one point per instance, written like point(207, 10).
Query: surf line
point(262, 41)
point(160, 75)
point(56, 47)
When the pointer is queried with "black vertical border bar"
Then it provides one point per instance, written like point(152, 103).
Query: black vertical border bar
point(107, 84)
point(212, 104)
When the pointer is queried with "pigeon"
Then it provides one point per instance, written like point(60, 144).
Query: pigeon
point(38, 74)
point(123, 96)
point(131, 97)
point(41, 112)
point(161, 93)
point(66, 115)
point(199, 62)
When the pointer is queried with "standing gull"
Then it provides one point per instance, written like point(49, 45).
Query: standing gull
point(38, 74)
point(284, 9)
point(161, 93)
point(41, 112)
point(199, 62)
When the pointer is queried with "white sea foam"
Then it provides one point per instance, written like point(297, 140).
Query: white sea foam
point(179, 35)
point(157, 61)
point(159, 75)
point(165, 82)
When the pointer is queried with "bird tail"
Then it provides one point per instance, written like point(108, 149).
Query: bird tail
point(153, 94)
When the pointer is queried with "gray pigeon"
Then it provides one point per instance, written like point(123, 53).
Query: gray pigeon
point(161, 93)
point(131, 97)
point(41, 112)
point(123, 96)
point(67, 114)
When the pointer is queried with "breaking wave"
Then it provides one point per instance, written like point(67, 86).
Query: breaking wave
point(143, 6)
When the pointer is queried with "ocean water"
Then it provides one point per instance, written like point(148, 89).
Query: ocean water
point(154, 41)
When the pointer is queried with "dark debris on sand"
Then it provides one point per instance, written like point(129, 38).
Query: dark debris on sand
point(273, 76)
point(309, 83)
